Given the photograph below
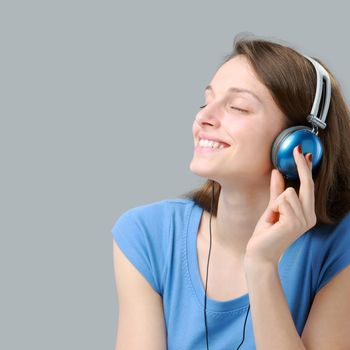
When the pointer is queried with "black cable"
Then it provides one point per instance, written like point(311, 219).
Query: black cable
point(245, 321)
point(206, 280)
point(206, 277)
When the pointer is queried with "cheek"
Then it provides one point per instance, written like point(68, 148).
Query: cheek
point(255, 139)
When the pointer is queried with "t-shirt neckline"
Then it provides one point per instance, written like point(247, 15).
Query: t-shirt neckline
point(238, 303)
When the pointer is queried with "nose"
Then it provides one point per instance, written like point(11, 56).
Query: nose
point(207, 116)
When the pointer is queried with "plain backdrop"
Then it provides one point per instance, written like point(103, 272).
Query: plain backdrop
point(97, 104)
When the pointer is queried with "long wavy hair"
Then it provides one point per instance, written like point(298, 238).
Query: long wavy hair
point(291, 80)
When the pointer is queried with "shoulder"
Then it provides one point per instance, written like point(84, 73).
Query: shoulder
point(328, 246)
point(152, 224)
point(329, 234)
point(155, 213)
point(329, 239)
point(144, 234)
point(324, 233)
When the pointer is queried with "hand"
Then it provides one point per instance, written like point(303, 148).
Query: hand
point(286, 217)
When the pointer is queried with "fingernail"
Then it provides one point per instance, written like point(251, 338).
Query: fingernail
point(310, 157)
point(299, 149)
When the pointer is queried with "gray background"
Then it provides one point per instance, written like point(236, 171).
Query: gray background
point(97, 104)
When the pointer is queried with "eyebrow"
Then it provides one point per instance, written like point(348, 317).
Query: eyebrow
point(236, 89)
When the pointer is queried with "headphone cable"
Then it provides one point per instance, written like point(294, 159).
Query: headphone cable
point(206, 280)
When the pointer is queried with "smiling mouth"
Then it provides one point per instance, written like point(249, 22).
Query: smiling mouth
point(206, 150)
point(214, 145)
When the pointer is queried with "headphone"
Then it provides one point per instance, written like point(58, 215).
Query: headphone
point(282, 151)
point(283, 145)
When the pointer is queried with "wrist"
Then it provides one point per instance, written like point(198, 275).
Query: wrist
point(257, 265)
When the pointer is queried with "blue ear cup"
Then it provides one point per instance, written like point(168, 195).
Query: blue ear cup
point(288, 139)
point(283, 145)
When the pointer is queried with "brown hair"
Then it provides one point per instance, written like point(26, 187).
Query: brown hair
point(291, 80)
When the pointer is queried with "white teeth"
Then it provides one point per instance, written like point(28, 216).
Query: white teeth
point(212, 144)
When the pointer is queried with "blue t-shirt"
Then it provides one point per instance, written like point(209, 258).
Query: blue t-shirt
point(160, 241)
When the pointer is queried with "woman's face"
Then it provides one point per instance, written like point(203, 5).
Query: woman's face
point(249, 133)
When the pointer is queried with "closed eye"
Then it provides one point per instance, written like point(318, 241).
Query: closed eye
point(239, 109)
point(232, 107)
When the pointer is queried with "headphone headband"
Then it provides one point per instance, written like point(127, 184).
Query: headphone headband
point(319, 110)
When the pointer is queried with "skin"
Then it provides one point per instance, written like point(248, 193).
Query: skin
point(244, 170)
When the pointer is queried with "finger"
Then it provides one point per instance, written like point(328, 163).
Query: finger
point(277, 184)
point(306, 190)
point(290, 196)
point(271, 216)
point(287, 221)
point(309, 162)
point(286, 214)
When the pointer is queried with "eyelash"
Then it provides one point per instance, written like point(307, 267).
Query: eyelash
point(238, 109)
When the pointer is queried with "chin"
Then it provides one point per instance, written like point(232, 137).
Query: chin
point(202, 170)
point(198, 169)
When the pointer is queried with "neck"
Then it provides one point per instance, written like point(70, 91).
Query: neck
point(239, 209)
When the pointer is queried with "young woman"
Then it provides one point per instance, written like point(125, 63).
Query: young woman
point(279, 247)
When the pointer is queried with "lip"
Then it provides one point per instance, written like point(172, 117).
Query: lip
point(206, 150)
point(203, 135)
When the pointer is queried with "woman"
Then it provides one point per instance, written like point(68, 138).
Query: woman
point(279, 274)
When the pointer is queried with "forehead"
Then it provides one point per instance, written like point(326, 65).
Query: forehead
point(237, 72)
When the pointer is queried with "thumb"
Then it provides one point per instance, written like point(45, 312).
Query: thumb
point(277, 184)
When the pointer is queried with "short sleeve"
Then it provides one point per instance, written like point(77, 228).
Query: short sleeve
point(335, 252)
point(141, 235)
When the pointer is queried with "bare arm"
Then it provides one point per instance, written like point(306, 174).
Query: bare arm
point(140, 321)
point(273, 324)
